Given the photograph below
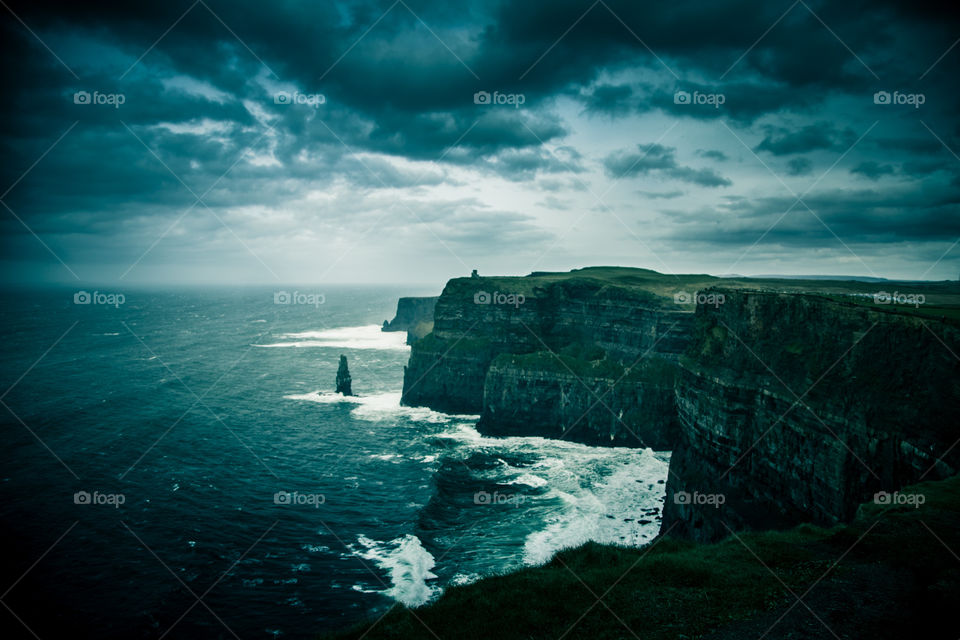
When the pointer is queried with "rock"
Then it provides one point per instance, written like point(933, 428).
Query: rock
point(794, 407)
point(879, 409)
point(598, 404)
point(448, 370)
point(343, 378)
point(414, 315)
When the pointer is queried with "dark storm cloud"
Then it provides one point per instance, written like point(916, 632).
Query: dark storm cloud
point(609, 99)
point(799, 166)
point(400, 81)
point(864, 216)
point(525, 164)
point(661, 195)
point(713, 154)
point(873, 170)
point(656, 158)
point(781, 141)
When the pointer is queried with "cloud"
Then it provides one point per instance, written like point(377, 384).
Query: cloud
point(399, 121)
point(873, 170)
point(861, 217)
point(713, 154)
point(662, 195)
point(660, 159)
point(799, 166)
point(781, 141)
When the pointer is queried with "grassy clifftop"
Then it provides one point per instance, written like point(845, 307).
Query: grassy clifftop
point(940, 298)
point(892, 573)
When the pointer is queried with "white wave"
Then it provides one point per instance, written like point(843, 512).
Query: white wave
point(461, 579)
point(360, 588)
point(608, 510)
point(380, 406)
point(598, 494)
point(408, 564)
point(314, 548)
point(530, 480)
point(363, 337)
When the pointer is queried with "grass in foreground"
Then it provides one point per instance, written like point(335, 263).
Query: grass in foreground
point(892, 573)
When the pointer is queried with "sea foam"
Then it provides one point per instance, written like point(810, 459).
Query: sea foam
point(380, 406)
point(363, 337)
point(408, 564)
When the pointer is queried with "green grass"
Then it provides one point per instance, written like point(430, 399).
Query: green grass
point(893, 576)
point(949, 312)
point(663, 286)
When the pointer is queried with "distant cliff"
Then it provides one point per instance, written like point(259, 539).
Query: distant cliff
point(414, 315)
point(789, 406)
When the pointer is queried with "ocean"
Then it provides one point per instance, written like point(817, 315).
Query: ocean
point(176, 465)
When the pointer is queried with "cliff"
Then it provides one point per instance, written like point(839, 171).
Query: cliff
point(786, 405)
point(796, 408)
point(594, 402)
point(552, 321)
point(414, 315)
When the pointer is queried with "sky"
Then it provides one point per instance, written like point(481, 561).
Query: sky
point(405, 141)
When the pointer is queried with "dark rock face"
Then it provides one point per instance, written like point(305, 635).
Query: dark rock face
point(475, 321)
point(414, 315)
point(621, 410)
point(779, 408)
point(797, 408)
point(344, 380)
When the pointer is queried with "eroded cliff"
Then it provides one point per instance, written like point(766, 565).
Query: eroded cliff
point(478, 319)
point(414, 315)
point(780, 405)
point(799, 407)
point(596, 402)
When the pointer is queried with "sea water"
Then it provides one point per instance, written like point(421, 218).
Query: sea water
point(255, 501)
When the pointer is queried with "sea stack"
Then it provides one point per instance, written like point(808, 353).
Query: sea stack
point(343, 378)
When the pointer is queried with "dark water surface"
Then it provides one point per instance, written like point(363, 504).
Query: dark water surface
point(182, 414)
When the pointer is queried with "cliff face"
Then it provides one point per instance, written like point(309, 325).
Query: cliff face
point(414, 315)
point(779, 407)
point(539, 395)
point(797, 408)
point(478, 319)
